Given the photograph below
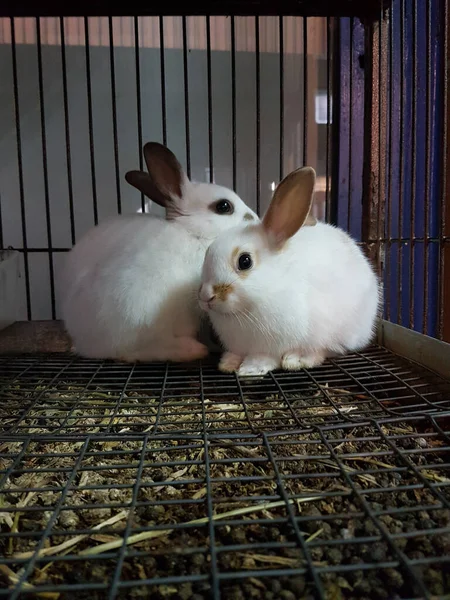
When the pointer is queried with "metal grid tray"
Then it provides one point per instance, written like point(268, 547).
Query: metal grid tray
point(161, 481)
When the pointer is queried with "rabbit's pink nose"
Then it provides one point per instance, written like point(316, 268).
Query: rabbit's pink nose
point(206, 294)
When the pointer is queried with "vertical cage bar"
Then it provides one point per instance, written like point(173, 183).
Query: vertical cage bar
point(233, 99)
point(388, 241)
point(281, 50)
point(90, 118)
point(401, 165)
point(347, 117)
point(413, 167)
point(1, 225)
point(305, 90)
point(328, 138)
point(163, 80)
point(381, 155)
point(114, 112)
point(138, 99)
point(20, 168)
point(258, 118)
point(444, 263)
point(428, 127)
point(186, 95)
point(350, 128)
point(210, 119)
point(437, 123)
point(335, 134)
point(45, 167)
point(67, 129)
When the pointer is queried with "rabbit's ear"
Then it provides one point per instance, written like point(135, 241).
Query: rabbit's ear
point(290, 206)
point(164, 170)
point(165, 175)
point(143, 182)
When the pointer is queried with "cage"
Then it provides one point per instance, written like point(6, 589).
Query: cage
point(172, 481)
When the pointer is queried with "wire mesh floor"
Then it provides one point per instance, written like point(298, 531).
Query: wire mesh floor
point(157, 481)
point(66, 394)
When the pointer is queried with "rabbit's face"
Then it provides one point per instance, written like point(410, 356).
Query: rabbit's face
point(206, 210)
point(203, 209)
point(230, 280)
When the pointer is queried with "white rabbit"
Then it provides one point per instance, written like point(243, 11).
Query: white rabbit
point(288, 291)
point(129, 285)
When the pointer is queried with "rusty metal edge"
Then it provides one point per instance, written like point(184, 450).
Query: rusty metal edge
point(422, 349)
point(375, 141)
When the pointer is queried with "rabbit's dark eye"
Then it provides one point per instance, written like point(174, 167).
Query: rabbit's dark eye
point(224, 207)
point(245, 262)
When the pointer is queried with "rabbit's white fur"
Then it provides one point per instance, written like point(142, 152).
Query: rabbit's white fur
point(129, 285)
point(314, 297)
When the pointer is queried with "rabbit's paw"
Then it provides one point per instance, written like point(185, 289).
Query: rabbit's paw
point(295, 361)
point(254, 366)
point(186, 349)
point(229, 362)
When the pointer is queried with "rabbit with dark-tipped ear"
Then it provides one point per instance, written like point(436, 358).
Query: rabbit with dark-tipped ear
point(129, 285)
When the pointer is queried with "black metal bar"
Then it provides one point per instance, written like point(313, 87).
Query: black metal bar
point(163, 79)
point(381, 131)
point(315, 8)
point(388, 246)
point(90, 119)
point(335, 129)
point(444, 254)
point(20, 168)
point(401, 165)
point(45, 167)
point(350, 129)
point(233, 100)
point(328, 147)
point(258, 118)
point(413, 164)
point(305, 90)
point(281, 51)
point(428, 127)
point(119, 401)
point(1, 225)
point(161, 400)
point(114, 112)
point(186, 96)
point(67, 129)
point(210, 118)
point(139, 99)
